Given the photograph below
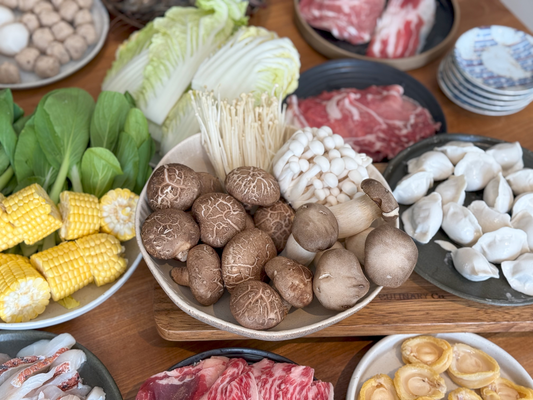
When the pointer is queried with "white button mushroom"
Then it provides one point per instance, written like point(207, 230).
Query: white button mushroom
point(76, 46)
point(31, 21)
point(13, 38)
point(6, 15)
point(57, 50)
point(26, 58)
point(47, 66)
point(42, 38)
point(9, 73)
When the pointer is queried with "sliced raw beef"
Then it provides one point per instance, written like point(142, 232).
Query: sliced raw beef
point(296, 383)
point(350, 20)
point(319, 391)
point(403, 28)
point(191, 382)
point(270, 377)
point(378, 121)
point(235, 368)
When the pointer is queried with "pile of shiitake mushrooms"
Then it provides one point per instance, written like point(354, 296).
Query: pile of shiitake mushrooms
point(235, 236)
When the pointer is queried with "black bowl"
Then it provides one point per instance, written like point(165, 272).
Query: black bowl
point(434, 263)
point(92, 372)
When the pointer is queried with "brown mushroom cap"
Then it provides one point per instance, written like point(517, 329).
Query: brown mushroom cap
point(209, 183)
point(255, 305)
point(252, 186)
point(276, 220)
point(220, 217)
point(180, 275)
point(339, 281)
point(205, 275)
point(249, 222)
point(315, 227)
point(356, 244)
point(173, 186)
point(390, 210)
point(390, 256)
point(293, 281)
point(245, 256)
point(169, 233)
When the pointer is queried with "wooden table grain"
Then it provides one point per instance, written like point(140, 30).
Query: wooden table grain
point(121, 331)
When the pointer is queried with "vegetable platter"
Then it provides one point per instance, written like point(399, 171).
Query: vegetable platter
point(69, 175)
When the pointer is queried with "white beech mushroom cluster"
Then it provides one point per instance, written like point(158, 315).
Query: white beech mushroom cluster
point(42, 35)
point(316, 166)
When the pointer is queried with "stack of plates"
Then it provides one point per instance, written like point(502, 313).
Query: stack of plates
point(489, 71)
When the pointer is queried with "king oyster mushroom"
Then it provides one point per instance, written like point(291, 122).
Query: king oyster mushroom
point(173, 186)
point(252, 186)
point(463, 394)
point(314, 228)
point(472, 368)
point(276, 220)
point(413, 381)
point(169, 233)
point(245, 256)
point(255, 305)
point(336, 245)
point(390, 256)
point(435, 353)
point(180, 275)
point(205, 275)
point(356, 244)
point(379, 387)
point(293, 281)
point(504, 389)
point(220, 217)
point(209, 183)
point(339, 281)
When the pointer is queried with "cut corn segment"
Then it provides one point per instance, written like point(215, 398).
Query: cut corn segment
point(32, 212)
point(24, 294)
point(102, 253)
point(64, 268)
point(118, 213)
point(80, 213)
point(5, 258)
point(9, 235)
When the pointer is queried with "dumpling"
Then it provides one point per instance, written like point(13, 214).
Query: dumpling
point(473, 265)
point(460, 224)
point(517, 167)
point(498, 194)
point(456, 150)
point(422, 220)
point(413, 187)
point(453, 190)
point(490, 220)
point(506, 154)
point(505, 244)
point(524, 221)
point(478, 169)
point(521, 181)
point(519, 273)
point(523, 202)
point(432, 161)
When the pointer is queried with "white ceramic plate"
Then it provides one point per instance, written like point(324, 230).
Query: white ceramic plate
point(90, 297)
point(30, 80)
point(299, 322)
point(385, 358)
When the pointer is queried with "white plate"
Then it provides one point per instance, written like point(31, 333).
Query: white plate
point(385, 358)
point(299, 322)
point(90, 297)
point(30, 80)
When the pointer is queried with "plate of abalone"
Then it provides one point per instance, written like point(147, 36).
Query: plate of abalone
point(385, 358)
point(435, 264)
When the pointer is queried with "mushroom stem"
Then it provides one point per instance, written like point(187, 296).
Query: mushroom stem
point(180, 275)
point(356, 215)
point(337, 245)
point(297, 253)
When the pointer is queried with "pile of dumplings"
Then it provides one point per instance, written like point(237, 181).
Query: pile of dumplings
point(497, 229)
point(426, 357)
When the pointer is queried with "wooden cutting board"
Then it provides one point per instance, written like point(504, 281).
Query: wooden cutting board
point(415, 307)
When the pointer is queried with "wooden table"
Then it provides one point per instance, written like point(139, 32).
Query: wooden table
point(122, 333)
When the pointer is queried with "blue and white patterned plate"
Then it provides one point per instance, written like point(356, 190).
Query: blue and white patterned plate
point(497, 58)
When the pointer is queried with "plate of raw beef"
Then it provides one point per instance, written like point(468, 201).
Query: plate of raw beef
point(406, 34)
point(236, 373)
point(378, 109)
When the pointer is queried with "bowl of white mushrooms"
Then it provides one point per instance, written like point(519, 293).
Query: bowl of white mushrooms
point(43, 41)
point(273, 256)
point(467, 201)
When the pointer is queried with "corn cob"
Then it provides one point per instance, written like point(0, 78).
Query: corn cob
point(64, 268)
point(118, 213)
point(9, 236)
point(24, 294)
point(102, 253)
point(5, 258)
point(80, 213)
point(32, 212)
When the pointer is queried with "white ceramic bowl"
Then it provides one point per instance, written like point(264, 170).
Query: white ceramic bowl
point(299, 322)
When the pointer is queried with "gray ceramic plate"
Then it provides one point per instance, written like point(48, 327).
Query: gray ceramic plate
point(434, 263)
point(93, 372)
